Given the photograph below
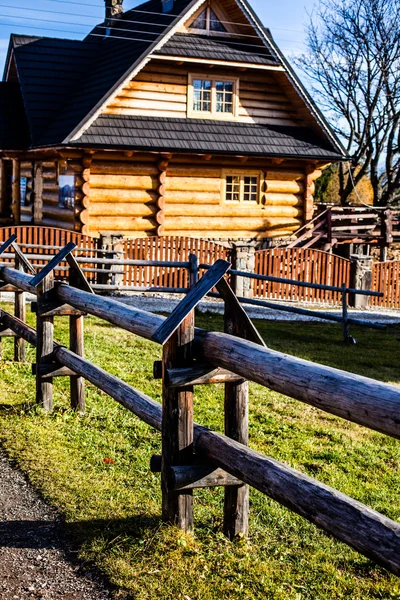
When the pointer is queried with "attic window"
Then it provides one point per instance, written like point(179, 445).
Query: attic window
point(214, 98)
point(208, 21)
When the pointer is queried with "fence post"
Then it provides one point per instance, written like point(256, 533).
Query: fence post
point(236, 502)
point(193, 269)
point(177, 426)
point(45, 345)
point(243, 259)
point(360, 279)
point(20, 313)
point(118, 271)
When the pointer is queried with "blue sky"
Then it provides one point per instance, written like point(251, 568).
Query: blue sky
point(285, 18)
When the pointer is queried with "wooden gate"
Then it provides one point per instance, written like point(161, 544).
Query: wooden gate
point(386, 279)
point(172, 248)
point(301, 264)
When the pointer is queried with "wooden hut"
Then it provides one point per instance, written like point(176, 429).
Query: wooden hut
point(174, 118)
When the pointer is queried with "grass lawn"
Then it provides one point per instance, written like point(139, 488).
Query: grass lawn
point(112, 511)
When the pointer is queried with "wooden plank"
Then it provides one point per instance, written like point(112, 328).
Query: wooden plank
point(200, 476)
point(22, 259)
point(55, 261)
point(192, 299)
point(198, 375)
point(7, 243)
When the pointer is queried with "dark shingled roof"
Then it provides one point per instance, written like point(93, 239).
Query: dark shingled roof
point(50, 70)
point(202, 136)
point(13, 125)
point(64, 82)
point(217, 48)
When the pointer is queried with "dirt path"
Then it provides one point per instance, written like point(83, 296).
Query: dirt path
point(33, 561)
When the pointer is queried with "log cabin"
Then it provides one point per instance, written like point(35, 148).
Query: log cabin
point(178, 117)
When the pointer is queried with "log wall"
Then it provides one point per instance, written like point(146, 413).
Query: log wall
point(120, 196)
point(160, 90)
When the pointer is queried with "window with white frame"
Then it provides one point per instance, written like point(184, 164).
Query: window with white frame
point(212, 97)
point(242, 188)
point(207, 20)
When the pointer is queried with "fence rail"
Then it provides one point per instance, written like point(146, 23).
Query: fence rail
point(224, 459)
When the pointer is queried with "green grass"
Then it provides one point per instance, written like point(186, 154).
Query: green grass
point(112, 511)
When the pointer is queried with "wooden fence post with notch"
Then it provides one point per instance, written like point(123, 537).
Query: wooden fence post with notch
point(77, 336)
point(45, 344)
point(20, 313)
point(177, 426)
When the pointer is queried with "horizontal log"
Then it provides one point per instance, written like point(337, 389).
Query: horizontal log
point(149, 86)
point(194, 184)
point(189, 171)
point(284, 187)
point(120, 209)
point(169, 114)
point(359, 399)
point(192, 197)
point(231, 210)
point(231, 224)
point(121, 224)
point(276, 199)
point(48, 196)
point(238, 234)
point(168, 95)
point(139, 105)
point(116, 195)
point(123, 182)
point(283, 174)
point(102, 167)
point(58, 213)
point(362, 528)
point(199, 375)
point(47, 222)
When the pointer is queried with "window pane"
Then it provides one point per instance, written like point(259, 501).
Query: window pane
point(250, 189)
point(201, 21)
point(202, 95)
point(233, 188)
point(215, 23)
point(224, 96)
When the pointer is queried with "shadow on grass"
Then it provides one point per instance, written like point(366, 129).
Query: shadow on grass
point(42, 534)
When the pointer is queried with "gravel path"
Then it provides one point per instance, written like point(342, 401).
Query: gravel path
point(33, 558)
point(166, 303)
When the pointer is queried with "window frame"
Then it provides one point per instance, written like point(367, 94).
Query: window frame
point(208, 31)
point(213, 114)
point(242, 174)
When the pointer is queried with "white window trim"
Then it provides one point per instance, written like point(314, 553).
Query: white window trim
point(213, 114)
point(221, 16)
point(242, 175)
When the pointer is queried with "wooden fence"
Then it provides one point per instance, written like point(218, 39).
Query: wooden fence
point(192, 455)
point(36, 240)
point(386, 279)
point(312, 266)
point(171, 249)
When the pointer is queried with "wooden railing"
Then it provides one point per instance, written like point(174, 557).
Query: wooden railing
point(192, 455)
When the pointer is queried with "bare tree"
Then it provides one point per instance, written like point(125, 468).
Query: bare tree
point(353, 60)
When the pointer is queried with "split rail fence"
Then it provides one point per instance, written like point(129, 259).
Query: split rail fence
point(192, 455)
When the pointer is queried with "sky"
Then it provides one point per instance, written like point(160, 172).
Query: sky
point(74, 18)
